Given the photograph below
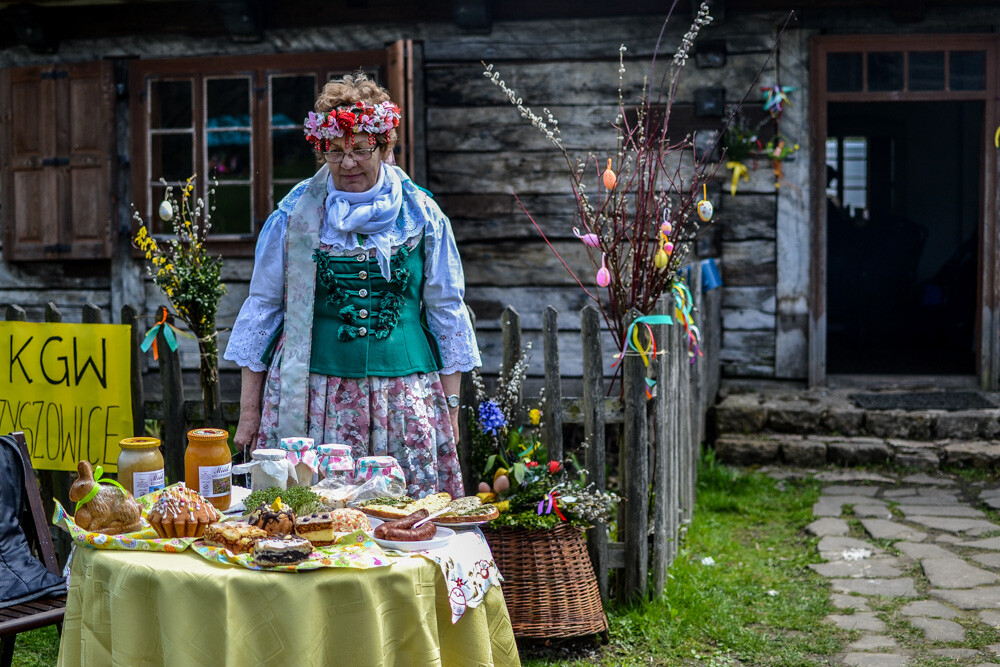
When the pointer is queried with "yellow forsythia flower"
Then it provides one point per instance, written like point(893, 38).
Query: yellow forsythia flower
point(535, 416)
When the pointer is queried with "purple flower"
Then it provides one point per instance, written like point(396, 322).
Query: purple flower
point(491, 419)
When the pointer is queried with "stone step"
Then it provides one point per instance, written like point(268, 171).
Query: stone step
point(834, 413)
point(819, 450)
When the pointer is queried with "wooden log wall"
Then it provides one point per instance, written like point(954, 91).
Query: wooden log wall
point(480, 152)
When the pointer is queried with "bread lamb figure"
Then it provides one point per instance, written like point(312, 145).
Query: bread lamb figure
point(112, 511)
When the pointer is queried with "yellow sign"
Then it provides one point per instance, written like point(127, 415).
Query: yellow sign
point(68, 387)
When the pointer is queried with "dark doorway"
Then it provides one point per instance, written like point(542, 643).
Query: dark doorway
point(902, 236)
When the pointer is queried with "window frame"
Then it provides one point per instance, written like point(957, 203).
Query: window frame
point(260, 69)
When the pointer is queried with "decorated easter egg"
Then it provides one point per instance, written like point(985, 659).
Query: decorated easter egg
point(660, 259)
point(166, 210)
point(609, 177)
point(484, 487)
point(501, 484)
point(666, 228)
point(705, 210)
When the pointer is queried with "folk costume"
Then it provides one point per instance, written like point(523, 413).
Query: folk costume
point(356, 305)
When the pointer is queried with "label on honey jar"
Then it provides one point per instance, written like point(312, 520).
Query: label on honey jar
point(147, 482)
point(215, 481)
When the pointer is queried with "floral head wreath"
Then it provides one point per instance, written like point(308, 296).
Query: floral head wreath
point(321, 128)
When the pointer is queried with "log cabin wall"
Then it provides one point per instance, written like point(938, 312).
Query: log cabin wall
point(479, 151)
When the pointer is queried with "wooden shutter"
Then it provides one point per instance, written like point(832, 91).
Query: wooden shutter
point(56, 161)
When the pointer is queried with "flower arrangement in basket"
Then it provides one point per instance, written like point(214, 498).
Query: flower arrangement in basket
point(191, 280)
point(530, 490)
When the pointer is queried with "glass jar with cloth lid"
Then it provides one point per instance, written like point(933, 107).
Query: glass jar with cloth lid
point(268, 468)
point(335, 461)
point(302, 454)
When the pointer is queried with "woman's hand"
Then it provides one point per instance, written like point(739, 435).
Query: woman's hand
point(251, 387)
point(246, 430)
point(452, 384)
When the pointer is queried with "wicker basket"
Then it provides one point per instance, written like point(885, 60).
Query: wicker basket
point(549, 583)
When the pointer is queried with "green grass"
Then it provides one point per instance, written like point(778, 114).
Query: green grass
point(37, 648)
point(758, 605)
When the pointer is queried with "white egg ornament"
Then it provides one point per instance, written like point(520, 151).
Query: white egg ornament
point(705, 210)
point(166, 211)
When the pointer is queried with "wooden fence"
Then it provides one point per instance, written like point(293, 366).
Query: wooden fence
point(658, 440)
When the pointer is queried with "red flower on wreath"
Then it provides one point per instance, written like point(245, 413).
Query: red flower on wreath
point(554, 467)
point(531, 464)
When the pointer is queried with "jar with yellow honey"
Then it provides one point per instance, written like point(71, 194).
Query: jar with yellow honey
point(140, 465)
point(208, 466)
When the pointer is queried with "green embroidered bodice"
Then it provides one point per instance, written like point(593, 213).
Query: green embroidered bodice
point(364, 325)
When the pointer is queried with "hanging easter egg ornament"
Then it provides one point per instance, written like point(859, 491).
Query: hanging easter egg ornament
point(166, 210)
point(666, 228)
point(588, 239)
point(609, 177)
point(660, 259)
point(668, 248)
point(603, 275)
point(705, 208)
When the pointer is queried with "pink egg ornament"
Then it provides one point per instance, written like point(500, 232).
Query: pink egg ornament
point(501, 484)
point(484, 487)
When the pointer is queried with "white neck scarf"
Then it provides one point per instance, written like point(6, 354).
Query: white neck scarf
point(369, 212)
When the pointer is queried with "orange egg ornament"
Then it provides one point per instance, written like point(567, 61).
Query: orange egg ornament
point(610, 180)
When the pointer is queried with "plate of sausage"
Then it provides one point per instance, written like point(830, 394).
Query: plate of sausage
point(412, 540)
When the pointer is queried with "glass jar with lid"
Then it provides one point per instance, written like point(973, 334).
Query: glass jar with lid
point(302, 453)
point(268, 468)
point(208, 465)
point(140, 465)
point(335, 461)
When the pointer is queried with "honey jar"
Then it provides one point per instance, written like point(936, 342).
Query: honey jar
point(140, 465)
point(208, 466)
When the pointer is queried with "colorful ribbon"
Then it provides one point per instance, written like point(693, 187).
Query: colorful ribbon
point(170, 333)
point(739, 171)
point(551, 497)
point(98, 471)
point(683, 305)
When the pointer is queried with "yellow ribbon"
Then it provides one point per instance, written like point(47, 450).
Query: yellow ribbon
point(739, 171)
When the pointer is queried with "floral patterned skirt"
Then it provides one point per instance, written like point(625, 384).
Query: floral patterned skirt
point(404, 417)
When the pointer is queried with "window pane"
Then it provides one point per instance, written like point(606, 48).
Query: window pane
point(171, 156)
point(967, 70)
point(156, 193)
point(170, 104)
point(843, 72)
point(927, 70)
point(293, 156)
point(885, 70)
point(228, 102)
point(229, 154)
point(292, 97)
point(232, 210)
point(855, 173)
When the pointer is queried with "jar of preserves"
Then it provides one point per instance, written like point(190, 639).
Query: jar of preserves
point(302, 453)
point(140, 466)
point(208, 466)
point(335, 461)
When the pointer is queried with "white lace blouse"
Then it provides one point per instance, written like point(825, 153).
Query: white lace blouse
point(444, 282)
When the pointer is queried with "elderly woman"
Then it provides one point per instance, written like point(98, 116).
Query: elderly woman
point(355, 330)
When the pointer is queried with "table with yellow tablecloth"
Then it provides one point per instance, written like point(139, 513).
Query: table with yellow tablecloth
point(136, 609)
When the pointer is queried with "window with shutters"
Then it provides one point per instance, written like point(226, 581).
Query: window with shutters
point(56, 161)
point(236, 122)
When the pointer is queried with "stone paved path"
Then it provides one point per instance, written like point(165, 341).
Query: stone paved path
point(913, 565)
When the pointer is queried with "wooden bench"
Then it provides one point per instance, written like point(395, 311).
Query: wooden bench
point(44, 611)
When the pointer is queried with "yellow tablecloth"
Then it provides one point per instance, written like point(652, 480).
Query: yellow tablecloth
point(138, 609)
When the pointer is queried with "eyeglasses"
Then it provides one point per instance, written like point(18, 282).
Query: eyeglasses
point(358, 155)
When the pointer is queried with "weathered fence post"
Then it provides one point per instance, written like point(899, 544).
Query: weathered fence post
point(686, 441)
point(466, 397)
point(635, 475)
point(676, 456)
point(594, 436)
point(510, 327)
point(172, 390)
point(55, 483)
point(697, 369)
point(130, 316)
point(664, 470)
point(553, 430)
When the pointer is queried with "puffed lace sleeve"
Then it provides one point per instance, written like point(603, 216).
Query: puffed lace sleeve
point(444, 294)
point(263, 311)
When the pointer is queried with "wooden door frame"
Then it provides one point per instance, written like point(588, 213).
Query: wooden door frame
point(987, 336)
